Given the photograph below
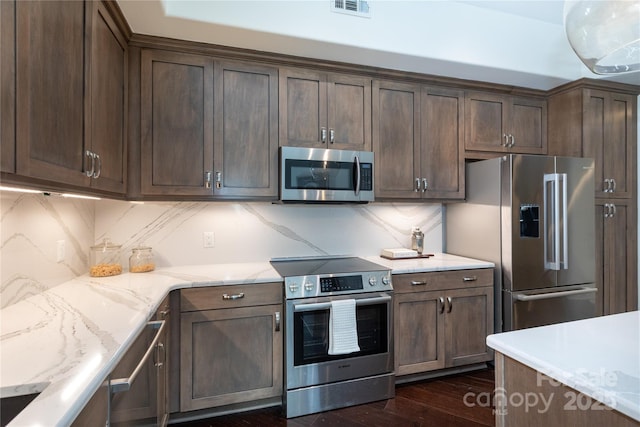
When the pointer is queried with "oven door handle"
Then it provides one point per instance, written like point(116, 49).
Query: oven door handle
point(327, 305)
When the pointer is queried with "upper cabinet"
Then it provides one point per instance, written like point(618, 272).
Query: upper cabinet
point(417, 138)
point(7, 87)
point(70, 92)
point(245, 130)
point(601, 124)
point(505, 124)
point(324, 110)
point(209, 128)
point(176, 123)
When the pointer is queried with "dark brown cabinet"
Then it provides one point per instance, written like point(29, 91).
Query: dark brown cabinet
point(417, 138)
point(324, 110)
point(599, 120)
point(7, 87)
point(245, 154)
point(146, 399)
point(209, 128)
point(70, 92)
point(231, 345)
point(616, 256)
point(442, 319)
point(176, 124)
point(505, 123)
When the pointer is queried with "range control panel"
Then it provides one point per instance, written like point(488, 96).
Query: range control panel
point(338, 284)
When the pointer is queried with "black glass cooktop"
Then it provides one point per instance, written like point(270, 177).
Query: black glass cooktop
point(289, 267)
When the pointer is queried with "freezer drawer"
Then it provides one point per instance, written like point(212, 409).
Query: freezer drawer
point(548, 306)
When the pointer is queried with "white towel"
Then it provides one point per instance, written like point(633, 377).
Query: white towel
point(343, 331)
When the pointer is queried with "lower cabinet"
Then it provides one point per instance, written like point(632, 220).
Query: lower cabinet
point(139, 388)
point(96, 411)
point(230, 345)
point(442, 319)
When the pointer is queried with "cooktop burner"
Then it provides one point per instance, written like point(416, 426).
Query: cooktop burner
point(307, 266)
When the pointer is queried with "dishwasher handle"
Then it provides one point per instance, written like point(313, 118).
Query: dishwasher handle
point(549, 295)
point(124, 384)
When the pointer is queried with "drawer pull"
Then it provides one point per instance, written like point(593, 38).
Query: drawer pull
point(277, 321)
point(232, 297)
point(418, 282)
point(469, 279)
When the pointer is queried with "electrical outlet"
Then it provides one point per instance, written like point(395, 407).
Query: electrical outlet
point(60, 250)
point(208, 239)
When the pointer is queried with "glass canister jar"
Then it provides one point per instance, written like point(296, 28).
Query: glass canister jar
point(141, 260)
point(105, 259)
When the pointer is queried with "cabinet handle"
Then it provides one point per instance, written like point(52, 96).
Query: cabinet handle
point(512, 140)
point(607, 210)
point(124, 384)
point(613, 210)
point(227, 297)
point(332, 136)
point(159, 362)
point(99, 161)
point(323, 134)
point(607, 185)
point(424, 184)
point(450, 303)
point(417, 185)
point(277, 321)
point(164, 313)
point(441, 301)
point(469, 278)
point(218, 179)
point(90, 155)
point(418, 282)
point(208, 178)
point(613, 182)
point(506, 140)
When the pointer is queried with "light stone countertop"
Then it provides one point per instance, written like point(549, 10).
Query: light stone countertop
point(64, 342)
point(599, 357)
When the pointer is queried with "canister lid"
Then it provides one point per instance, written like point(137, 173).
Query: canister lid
point(105, 246)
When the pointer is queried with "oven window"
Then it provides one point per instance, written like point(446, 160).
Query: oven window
point(311, 334)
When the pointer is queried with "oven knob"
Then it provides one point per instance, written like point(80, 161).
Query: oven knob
point(386, 280)
point(373, 281)
point(293, 288)
point(308, 286)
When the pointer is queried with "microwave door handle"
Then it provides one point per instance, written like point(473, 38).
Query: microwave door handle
point(357, 176)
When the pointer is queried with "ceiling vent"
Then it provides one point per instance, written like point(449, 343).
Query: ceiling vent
point(351, 7)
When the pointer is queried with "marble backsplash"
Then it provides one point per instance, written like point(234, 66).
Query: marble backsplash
point(32, 225)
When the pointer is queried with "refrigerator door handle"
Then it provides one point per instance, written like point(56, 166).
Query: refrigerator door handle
point(549, 295)
point(556, 249)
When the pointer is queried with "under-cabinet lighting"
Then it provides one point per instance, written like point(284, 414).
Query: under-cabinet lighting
point(19, 190)
point(77, 196)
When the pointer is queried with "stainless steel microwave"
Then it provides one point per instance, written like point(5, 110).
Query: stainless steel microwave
point(325, 175)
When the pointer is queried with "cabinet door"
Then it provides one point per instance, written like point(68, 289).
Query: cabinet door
point(442, 150)
point(469, 314)
point(349, 109)
point(616, 258)
point(105, 131)
point(396, 139)
point(7, 87)
point(50, 85)
point(176, 123)
point(303, 108)
point(527, 124)
point(419, 332)
point(484, 122)
point(96, 411)
point(230, 356)
point(609, 132)
point(246, 130)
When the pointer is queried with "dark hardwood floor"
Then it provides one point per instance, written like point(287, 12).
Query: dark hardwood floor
point(438, 402)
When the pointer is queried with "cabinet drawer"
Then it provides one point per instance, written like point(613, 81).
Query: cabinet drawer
point(214, 297)
point(441, 280)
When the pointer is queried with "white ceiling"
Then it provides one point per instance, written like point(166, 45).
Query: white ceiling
point(513, 42)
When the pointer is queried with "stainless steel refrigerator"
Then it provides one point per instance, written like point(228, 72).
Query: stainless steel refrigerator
point(534, 217)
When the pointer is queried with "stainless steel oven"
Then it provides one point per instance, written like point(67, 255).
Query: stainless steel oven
point(316, 380)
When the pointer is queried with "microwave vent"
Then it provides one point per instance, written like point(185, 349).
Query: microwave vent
point(351, 7)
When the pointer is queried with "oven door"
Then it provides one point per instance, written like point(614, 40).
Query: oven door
point(307, 341)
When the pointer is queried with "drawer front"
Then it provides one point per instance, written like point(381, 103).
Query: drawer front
point(232, 296)
point(442, 280)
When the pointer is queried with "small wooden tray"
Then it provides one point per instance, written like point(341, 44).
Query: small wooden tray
point(410, 257)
